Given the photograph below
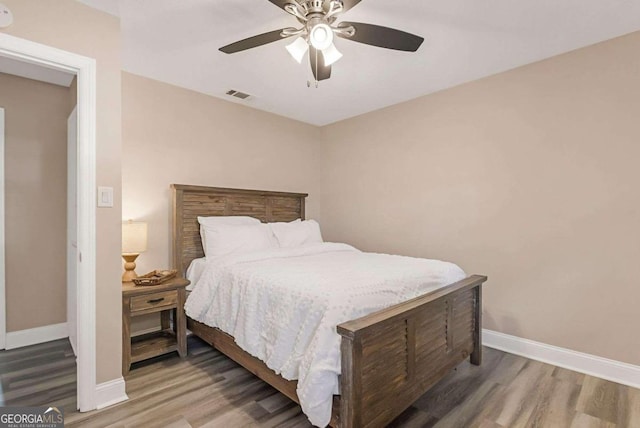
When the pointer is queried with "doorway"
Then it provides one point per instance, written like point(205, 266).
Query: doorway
point(84, 171)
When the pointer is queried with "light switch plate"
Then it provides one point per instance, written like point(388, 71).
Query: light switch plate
point(105, 197)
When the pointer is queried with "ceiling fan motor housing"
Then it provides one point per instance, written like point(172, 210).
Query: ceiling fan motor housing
point(313, 6)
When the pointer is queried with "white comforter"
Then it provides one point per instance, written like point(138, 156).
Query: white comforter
point(282, 306)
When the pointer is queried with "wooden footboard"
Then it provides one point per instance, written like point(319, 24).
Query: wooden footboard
point(389, 358)
point(392, 357)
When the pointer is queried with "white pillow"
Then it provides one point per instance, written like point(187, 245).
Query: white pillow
point(214, 221)
point(297, 233)
point(224, 240)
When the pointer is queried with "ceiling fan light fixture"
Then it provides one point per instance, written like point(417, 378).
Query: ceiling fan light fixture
point(321, 36)
point(331, 55)
point(298, 48)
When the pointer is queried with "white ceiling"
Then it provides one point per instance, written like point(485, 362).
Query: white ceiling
point(177, 41)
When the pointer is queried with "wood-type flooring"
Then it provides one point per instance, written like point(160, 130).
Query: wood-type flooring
point(207, 389)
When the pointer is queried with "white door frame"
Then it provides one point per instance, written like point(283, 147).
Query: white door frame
point(3, 303)
point(71, 240)
point(85, 70)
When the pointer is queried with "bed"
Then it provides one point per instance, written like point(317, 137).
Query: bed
point(388, 358)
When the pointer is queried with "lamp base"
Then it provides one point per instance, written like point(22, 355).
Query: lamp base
point(129, 267)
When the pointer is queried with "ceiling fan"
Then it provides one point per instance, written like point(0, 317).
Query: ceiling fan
point(318, 19)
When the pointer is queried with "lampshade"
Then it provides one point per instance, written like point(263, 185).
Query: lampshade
point(331, 55)
point(134, 237)
point(298, 48)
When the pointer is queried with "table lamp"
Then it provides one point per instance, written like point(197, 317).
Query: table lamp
point(134, 242)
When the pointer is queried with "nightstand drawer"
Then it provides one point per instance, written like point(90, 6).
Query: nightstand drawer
point(154, 300)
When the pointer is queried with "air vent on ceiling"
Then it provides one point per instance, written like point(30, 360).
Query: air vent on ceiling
point(238, 94)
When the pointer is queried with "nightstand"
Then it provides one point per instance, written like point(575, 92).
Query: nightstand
point(166, 298)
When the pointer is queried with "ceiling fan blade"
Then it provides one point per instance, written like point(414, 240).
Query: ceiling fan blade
point(348, 4)
point(254, 42)
point(280, 3)
point(320, 71)
point(383, 37)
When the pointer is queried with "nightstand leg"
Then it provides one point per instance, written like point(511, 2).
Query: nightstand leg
point(180, 321)
point(165, 322)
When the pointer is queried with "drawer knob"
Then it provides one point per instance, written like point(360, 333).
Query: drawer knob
point(155, 300)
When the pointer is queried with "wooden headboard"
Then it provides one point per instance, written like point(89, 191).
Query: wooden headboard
point(189, 202)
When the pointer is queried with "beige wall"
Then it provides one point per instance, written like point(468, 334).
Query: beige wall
point(173, 135)
point(71, 26)
point(35, 159)
point(527, 176)
point(530, 177)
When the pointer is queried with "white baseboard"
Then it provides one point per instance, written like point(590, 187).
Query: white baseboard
point(33, 336)
point(110, 393)
point(615, 371)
